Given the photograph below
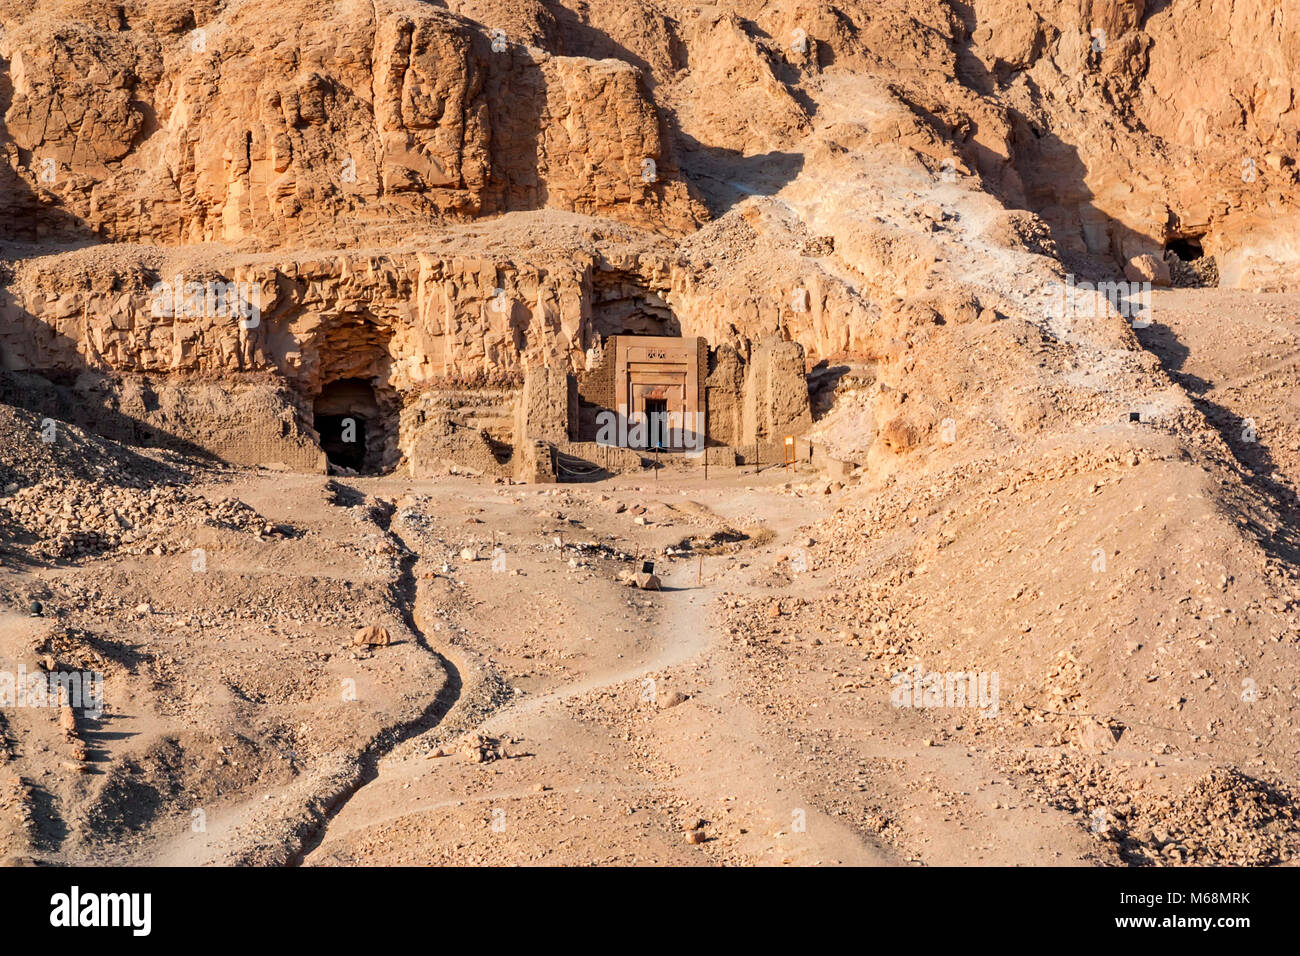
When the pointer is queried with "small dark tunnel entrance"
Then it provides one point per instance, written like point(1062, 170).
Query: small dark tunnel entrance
point(346, 416)
point(656, 413)
point(1188, 248)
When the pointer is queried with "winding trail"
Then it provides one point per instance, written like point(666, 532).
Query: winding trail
point(731, 767)
point(229, 830)
point(406, 592)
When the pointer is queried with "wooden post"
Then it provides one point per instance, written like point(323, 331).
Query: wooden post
point(699, 572)
point(706, 435)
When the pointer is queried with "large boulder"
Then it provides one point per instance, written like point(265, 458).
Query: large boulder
point(1147, 268)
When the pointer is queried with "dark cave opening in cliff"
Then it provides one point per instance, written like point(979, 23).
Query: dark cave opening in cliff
point(1186, 248)
point(347, 417)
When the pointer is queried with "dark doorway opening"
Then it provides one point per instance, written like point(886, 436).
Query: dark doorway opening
point(346, 416)
point(1187, 248)
point(1190, 266)
point(656, 411)
point(343, 438)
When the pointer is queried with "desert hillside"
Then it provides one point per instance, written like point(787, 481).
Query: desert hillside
point(313, 315)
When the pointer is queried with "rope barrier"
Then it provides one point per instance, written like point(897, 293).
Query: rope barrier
point(575, 471)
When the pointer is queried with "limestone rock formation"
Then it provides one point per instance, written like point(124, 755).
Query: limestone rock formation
point(415, 196)
point(239, 123)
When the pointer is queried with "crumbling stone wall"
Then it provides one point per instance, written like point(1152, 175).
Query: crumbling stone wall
point(542, 409)
point(723, 390)
point(596, 385)
point(534, 461)
point(244, 423)
point(594, 391)
point(775, 393)
point(436, 443)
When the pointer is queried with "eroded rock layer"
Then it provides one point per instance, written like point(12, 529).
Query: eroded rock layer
point(444, 196)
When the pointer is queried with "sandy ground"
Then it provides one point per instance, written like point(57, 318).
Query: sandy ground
point(533, 709)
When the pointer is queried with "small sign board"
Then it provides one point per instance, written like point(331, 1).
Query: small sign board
point(789, 451)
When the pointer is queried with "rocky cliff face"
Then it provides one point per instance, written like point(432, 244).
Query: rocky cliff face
point(416, 318)
point(431, 194)
point(1128, 122)
point(174, 123)
point(158, 123)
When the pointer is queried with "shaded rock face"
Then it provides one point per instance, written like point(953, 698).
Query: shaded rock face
point(247, 422)
point(1164, 120)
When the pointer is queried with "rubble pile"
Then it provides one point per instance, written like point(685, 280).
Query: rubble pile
point(71, 518)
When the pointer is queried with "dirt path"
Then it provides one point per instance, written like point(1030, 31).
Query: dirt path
point(705, 757)
point(738, 716)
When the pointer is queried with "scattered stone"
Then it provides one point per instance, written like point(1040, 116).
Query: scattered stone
point(375, 635)
point(482, 749)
